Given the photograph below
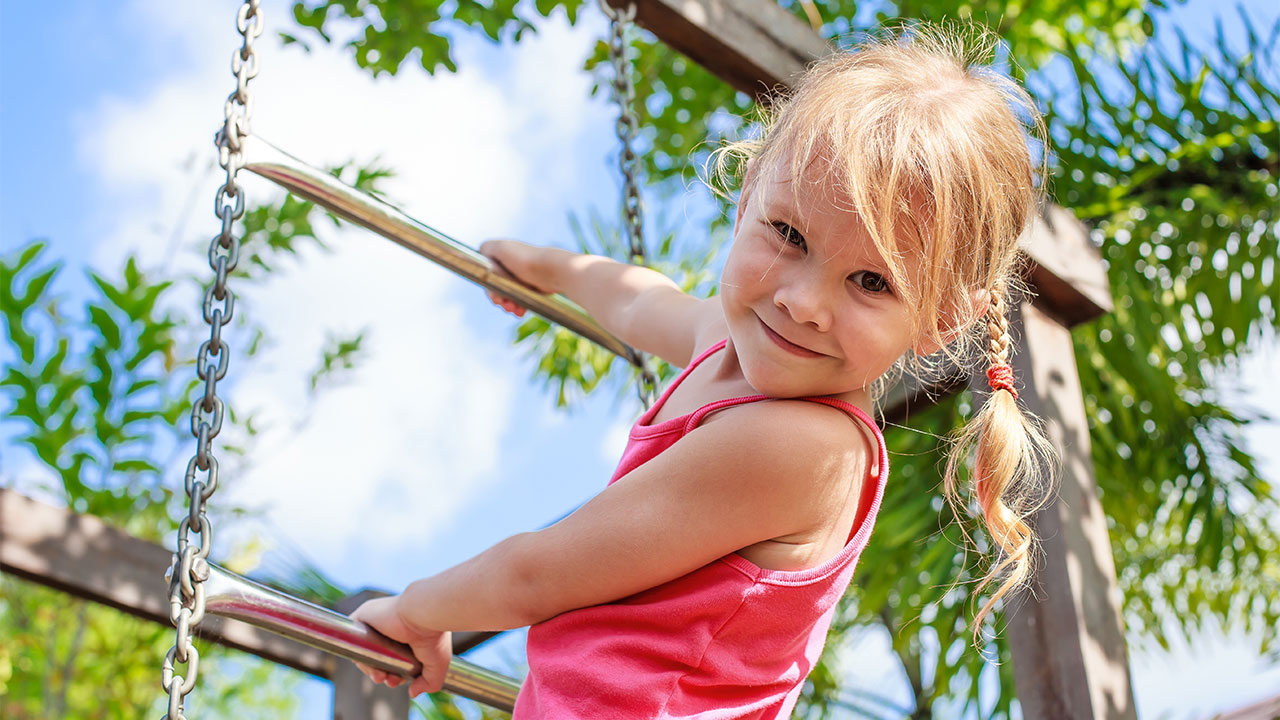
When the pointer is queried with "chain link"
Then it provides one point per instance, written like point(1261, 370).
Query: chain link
point(624, 94)
point(190, 566)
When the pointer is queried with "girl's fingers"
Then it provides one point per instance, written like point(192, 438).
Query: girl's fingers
point(373, 674)
point(423, 684)
point(381, 677)
point(508, 305)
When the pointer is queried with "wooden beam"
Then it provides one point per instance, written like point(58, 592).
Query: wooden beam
point(1069, 654)
point(1066, 269)
point(753, 45)
point(756, 46)
point(85, 557)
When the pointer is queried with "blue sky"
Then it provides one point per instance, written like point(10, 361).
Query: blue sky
point(439, 445)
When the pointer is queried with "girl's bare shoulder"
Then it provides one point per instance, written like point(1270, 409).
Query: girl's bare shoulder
point(823, 443)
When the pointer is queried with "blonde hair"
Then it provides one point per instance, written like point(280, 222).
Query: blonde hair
point(929, 147)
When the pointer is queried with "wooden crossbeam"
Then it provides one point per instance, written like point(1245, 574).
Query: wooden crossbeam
point(754, 46)
point(85, 557)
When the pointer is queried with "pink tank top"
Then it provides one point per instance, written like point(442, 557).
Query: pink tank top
point(728, 640)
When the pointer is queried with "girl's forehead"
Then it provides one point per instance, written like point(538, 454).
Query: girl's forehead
point(815, 194)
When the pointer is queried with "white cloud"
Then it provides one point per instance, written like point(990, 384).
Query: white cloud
point(386, 459)
point(615, 440)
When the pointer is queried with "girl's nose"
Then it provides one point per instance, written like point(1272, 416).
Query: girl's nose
point(804, 303)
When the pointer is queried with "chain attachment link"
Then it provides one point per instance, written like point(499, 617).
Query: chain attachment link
point(190, 567)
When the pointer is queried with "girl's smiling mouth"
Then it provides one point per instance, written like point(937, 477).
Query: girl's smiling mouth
point(786, 344)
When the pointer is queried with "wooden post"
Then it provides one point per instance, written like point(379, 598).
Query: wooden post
point(356, 697)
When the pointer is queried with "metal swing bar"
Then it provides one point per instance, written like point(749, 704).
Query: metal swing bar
point(365, 210)
point(229, 595)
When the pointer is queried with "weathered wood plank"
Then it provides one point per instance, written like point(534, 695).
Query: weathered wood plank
point(754, 45)
point(1066, 274)
point(85, 557)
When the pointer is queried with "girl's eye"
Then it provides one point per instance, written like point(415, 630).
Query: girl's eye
point(871, 282)
point(789, 235)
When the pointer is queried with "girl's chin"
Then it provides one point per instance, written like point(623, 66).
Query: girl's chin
point(768, 381)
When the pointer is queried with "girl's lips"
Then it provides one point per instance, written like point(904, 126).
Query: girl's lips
point(786, 344)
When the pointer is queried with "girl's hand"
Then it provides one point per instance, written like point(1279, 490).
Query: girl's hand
point(520, 262)
point(433, 648)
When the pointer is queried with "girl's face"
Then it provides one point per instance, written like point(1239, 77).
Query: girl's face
point(807, 298)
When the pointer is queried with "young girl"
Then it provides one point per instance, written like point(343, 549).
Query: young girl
point(876, 224)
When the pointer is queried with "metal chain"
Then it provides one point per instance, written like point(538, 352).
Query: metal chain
point(624, 94)
point(190, 566)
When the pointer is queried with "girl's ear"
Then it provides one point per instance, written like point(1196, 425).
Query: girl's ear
point(953, 327)
point(748, 184)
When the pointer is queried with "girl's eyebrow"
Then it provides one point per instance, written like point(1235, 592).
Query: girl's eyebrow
point(784, 213)
point(775, 211)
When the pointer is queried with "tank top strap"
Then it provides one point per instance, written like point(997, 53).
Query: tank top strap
point(707, 353)
point(871, 492)
point(647, 416)
point(880, 471)
point(695, 418)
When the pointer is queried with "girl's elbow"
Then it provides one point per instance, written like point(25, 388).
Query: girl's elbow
point(529, 593)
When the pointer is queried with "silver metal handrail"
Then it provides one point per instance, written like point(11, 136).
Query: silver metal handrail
point(230, 595)
point(299, 178)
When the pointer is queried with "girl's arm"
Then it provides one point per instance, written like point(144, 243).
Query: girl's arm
point(642, 307)
point(757, 472)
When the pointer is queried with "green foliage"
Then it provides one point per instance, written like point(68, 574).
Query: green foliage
point(1176, 170)
point(337, 355)
point(391, 32)
point(68, 658)
point(95, 393)
point(1168, 152)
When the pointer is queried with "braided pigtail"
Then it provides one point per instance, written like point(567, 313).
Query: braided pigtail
point(1012, 469)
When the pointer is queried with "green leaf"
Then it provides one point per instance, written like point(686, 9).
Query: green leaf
point(140, 385)
point(36, 287)
point(135, 466)
point(107, 327)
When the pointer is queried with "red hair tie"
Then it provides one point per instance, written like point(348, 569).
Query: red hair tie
point(1000, 377)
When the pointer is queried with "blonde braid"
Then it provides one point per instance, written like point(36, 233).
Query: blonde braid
point(1009, 449)
point(999, 374)
point(997, 330)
